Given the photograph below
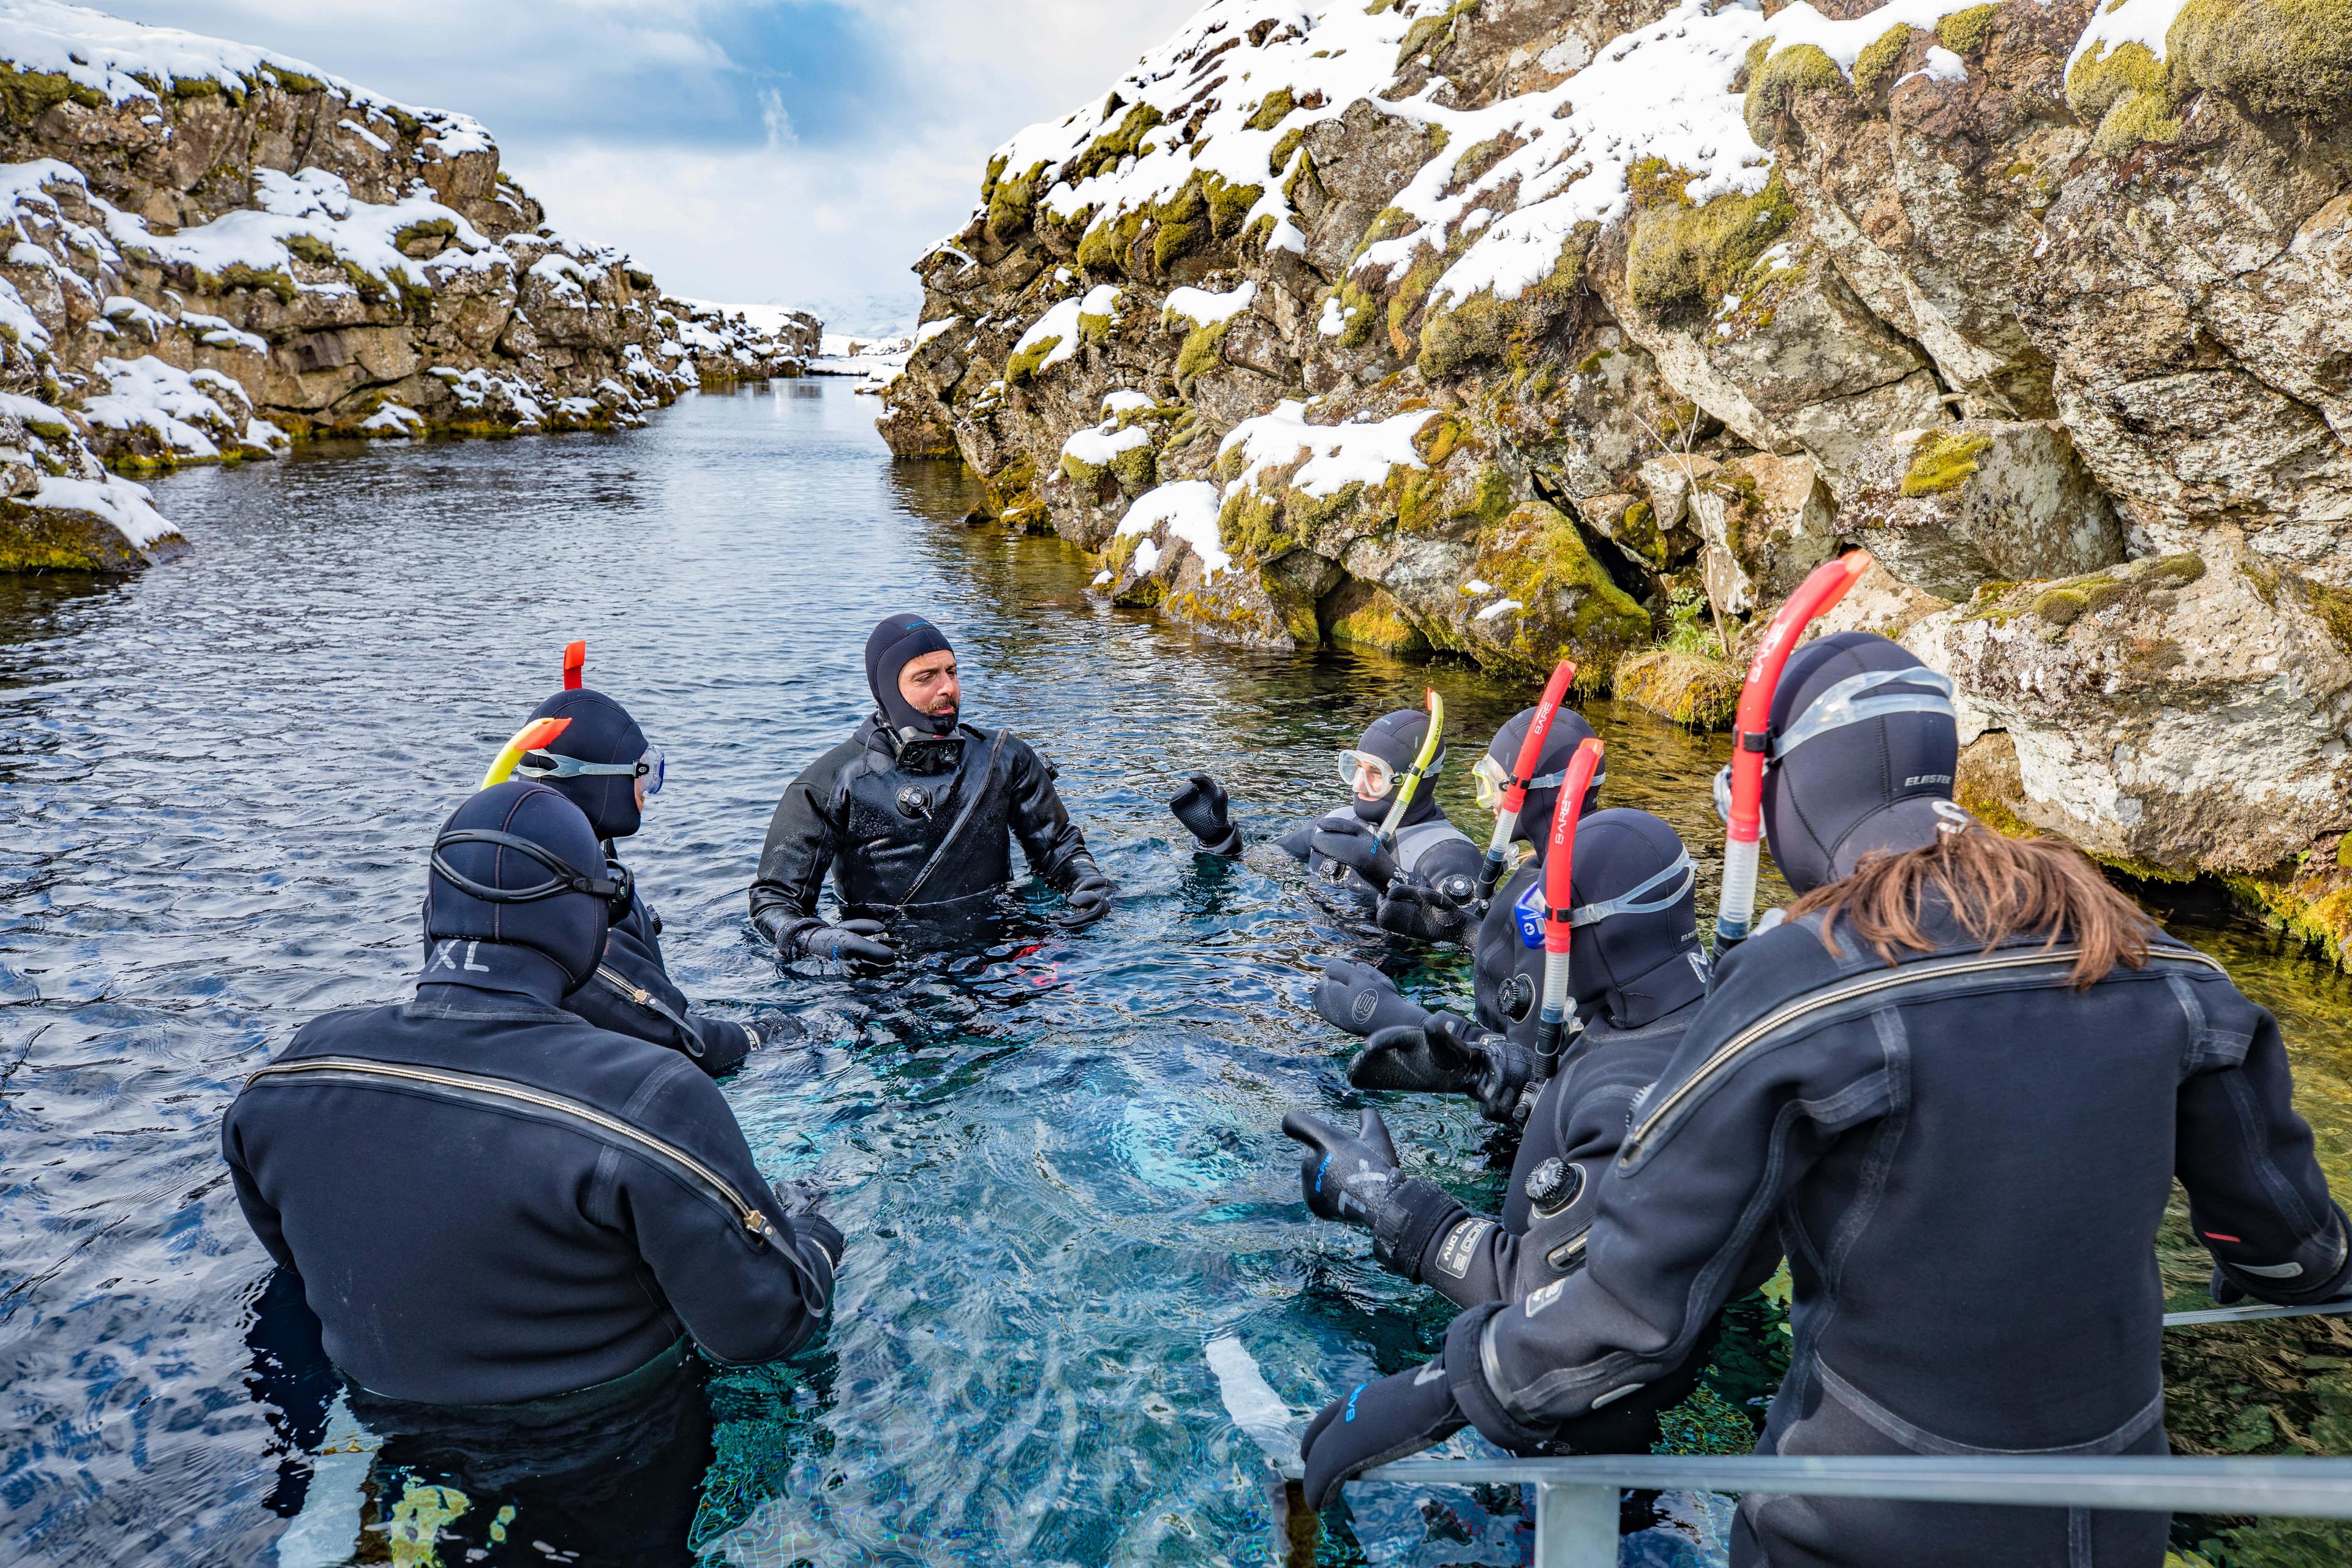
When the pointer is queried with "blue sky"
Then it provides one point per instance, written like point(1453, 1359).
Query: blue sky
point(785, 152)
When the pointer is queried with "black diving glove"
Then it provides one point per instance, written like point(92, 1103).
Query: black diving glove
point(1448, 1055)
point(1379, 1421)
point(1089, 896)
point(1345, 1175)
point(1361, 1000)
point(1357, 845)
point(1422, 913)
point(1201, 807)
point(776, 1030)
point(858, 943)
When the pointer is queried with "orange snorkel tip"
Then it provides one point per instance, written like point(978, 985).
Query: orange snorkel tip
point(531, 736)
point(576, 663)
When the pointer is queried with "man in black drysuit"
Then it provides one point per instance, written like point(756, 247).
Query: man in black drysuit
point(1422, 884)
point(602, 763)
point(1637, 974)
point(1492, 1062)
point(1965, 1157)
point(913, 814)
point(491, 1201)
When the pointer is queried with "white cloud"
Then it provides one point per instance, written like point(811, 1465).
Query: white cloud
point(764, 150)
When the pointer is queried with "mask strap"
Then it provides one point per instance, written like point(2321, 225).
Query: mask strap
point(1847, 703)
point(1637, 900)
point(568, 878)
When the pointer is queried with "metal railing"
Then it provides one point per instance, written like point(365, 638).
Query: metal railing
point(1576, 1498)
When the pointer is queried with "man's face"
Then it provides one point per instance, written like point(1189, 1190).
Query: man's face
point(929, 686)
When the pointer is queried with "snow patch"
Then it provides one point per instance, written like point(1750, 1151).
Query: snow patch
point(1339, 454)
point(1203, 309)
point(125, 505)
point(1189, 510)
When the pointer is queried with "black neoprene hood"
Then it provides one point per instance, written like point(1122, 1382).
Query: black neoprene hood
point(601, 731)
point(896, 643)
point(569, 928)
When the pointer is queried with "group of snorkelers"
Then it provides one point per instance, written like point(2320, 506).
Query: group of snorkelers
point(1950, 1088)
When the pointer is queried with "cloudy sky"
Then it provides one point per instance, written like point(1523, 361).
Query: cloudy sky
point(764, 152)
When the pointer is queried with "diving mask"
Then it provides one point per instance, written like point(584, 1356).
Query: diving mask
point(544, 765)
point(1492, 779)
point(919, 753)
point(1370, 776)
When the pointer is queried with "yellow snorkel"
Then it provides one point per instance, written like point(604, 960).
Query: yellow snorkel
point(1410, 785)
point(529, 738)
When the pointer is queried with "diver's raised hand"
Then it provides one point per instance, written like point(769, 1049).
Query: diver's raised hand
point(1345, 1175)
point(858, 943)
point(1357, 845)
point(1199, 806)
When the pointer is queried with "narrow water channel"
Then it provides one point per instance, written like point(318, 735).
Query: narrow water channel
point(1057, 1160)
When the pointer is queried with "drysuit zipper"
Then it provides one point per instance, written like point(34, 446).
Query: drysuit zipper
point(544, 1102)
point(616, 981)
point(1852, 989)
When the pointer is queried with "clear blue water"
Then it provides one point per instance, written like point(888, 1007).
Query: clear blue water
point(1057, 1160)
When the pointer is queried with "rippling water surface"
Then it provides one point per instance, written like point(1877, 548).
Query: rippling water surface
point(1057, 1160)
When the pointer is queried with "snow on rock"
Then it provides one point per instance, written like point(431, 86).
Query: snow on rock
point(1185, 512)
point(1204, 309)
point(1337, 455)
point(1100, 446)
point(394, 422)
point(743, 342)
point(154, 413)
point(128, 506)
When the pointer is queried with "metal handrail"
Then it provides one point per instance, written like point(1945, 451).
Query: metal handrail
point(1577, 1497)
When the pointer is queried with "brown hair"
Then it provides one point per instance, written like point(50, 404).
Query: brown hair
point(1996, 888)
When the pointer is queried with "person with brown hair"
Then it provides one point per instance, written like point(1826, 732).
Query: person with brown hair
point(1956, 1083)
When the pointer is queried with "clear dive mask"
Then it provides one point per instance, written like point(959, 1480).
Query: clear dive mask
point(1492, 779)
point(1849, 703)
point(919, 752)
point(649, 768)
point(1370, 776)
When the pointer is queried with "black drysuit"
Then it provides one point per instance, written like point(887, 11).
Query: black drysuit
point(1966, 1163)
point(631, 994)
point(878, 829)
point(488, 1200)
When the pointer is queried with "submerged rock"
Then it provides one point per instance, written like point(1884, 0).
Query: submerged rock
point(1565, 318)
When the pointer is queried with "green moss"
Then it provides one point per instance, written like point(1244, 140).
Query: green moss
point(1122, 141)
point(1787, 74)
point(1965, 32)
point(26, 95)
point(2287, 57)
point(1279, 159)
point(1200, 354)
point(295, 81)
point(237, 275)
point(1462, 332)
point(1429, 32)
point(1874, 68)
point(309, 248)
point(1271, 110)
point(1024, 366)
point(1436, 440)
point(188, 87)
point(1404, 307)
point(2128, 93)
point(1484, 155)
point(1536, 555)
point(1941, 461)
point(1250, 527)
point(1013, 203)
point(1364, 614)
point(1229, 204)
point(1359, 315)
point(433, 230)
point(1109, 246)
point(1095, 329)
point(2137, 120)
point(1683, 255)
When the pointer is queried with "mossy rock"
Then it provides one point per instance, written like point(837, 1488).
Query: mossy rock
point(1941, 461)
point(1024, 366)
point(26, 95)
point(1536, 555)
point(52, 539)
point(2283, 58)
point(1109, 246)
point(1874, 69)
point(294, 81)
point(1200, 352)
point(1696, 692)
point(1123, 140)
point(1365, 615)
point(237, 275)
point(1966, 32)
point(1013, 203)
point(1431, 32)
point(2127, 94)
point(1684, 254)
point(1774, 88)
point(1272, 109)
point(1461, 332)
point(1278, 158)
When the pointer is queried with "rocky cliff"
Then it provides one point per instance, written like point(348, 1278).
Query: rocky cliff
point(1521, 327)
point(214, 251)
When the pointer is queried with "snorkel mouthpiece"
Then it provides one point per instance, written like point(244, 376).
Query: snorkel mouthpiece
point(576, 663)
point(1514, 794)
point(1751, 739)
point(1559, 896)
point(534, 736)
point(1410, 783)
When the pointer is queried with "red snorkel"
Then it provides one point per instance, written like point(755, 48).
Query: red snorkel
point(1560, 864)
point(1751, 739)
point(576, 663)
point(1515, 794)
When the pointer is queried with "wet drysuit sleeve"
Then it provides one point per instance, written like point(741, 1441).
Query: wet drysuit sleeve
point(744, 1297)
point(1056, 848)
point(2256, 1196)
point(259, 1214)
point(1299, 842)
point(803, 836)
point(631, 994)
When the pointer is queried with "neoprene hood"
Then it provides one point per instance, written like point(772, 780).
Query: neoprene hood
point(1567, 732)
point(1878, 782)
point(1639, 963)
point(568, 928)
point(1396, 739)
point(895, 643)
point(601, 731)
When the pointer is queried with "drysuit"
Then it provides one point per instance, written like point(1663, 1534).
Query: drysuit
point(915, 814)
point(1640, 989)
point(631, 992)
point(489, 1200)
